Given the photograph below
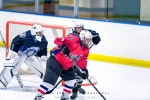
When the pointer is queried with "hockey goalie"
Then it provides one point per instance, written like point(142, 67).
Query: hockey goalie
point(30, 48)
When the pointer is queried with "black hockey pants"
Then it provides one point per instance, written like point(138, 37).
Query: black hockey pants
point(54, 70)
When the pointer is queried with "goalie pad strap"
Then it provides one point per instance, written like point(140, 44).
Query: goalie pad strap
point(1, 82)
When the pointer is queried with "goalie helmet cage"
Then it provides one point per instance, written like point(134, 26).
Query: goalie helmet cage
point(14, 28)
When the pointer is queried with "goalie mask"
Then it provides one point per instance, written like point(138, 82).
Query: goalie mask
point(37, 31)
point(86, 38)
point(77, 27)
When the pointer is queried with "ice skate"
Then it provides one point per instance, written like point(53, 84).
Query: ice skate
point(64, 96)
point(82, 91)
point(74, 96)
point(38, 98)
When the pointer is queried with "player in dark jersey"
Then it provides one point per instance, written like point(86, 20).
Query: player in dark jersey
point(33, 37)
point(22, 45)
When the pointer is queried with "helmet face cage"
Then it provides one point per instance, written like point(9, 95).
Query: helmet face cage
point(86, 37)
point(37, 31)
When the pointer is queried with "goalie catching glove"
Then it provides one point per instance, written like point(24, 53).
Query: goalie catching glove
point(31, 51)
point(96, 38)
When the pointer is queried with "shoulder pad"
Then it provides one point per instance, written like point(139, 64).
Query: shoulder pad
point(23, 35)
point(73, 37)
point(70, 37)
point(44, 38)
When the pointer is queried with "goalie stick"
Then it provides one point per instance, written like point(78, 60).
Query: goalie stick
point(17, 74)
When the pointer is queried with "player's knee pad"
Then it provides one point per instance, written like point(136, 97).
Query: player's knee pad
point(35, 65)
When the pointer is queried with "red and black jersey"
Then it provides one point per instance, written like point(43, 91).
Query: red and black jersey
point(78, 52)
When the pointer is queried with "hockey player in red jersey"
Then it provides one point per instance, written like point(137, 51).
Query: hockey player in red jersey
point(77, 27)
point(75, 47)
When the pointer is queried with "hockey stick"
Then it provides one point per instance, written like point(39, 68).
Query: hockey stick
point(17, 75)
point(4, 42)
point(88, 79)
point(48, 92)
point(96, 89)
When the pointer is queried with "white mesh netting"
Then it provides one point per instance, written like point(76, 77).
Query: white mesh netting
point(49, 32)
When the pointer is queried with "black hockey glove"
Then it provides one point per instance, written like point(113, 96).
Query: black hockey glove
point(65, 50)
point(83, 75)
point(96, 38)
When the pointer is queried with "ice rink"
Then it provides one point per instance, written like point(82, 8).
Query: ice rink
point(115, 82)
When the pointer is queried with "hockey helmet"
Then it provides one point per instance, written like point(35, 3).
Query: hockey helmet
point(37, 31)
point(77, 27)
point(86, 37)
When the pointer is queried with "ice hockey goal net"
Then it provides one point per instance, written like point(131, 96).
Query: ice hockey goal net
point(14, 28)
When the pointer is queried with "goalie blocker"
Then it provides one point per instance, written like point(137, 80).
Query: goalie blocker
point(13, 63)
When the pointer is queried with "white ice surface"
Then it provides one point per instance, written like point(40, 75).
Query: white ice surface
point(115, 82)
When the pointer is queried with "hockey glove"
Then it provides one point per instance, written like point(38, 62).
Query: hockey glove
point(96, 38)
point(83, 75)
point(86, 73)
point(65, 50)
point(31, 51)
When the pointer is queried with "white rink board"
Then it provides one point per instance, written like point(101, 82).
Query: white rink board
point(123, 40)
